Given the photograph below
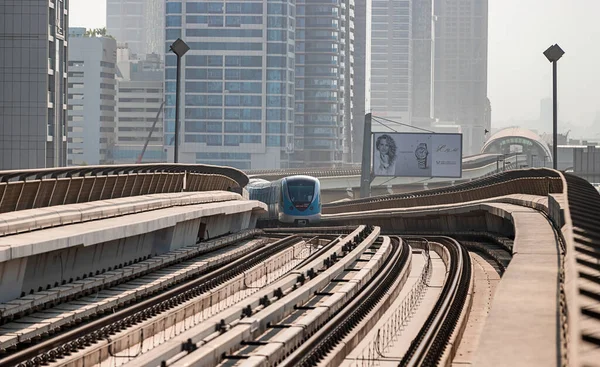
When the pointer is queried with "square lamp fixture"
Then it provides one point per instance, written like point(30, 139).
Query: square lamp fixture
point(554, 53)
point(179, 47)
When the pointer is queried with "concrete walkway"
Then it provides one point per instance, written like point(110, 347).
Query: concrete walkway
point(486, 279)
point(393, 347)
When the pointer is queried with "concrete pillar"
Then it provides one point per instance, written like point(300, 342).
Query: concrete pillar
point(12, 274)
point(185, 233)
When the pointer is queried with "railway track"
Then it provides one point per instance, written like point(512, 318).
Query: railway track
point(428, 347)
point(120, 274)
point(79, 337)
point(323, 341)
point(306, 296)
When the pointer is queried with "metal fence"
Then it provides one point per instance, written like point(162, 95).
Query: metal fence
point(395, 323)
point(30, 189)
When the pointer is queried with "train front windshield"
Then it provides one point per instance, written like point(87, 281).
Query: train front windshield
point(301, 192)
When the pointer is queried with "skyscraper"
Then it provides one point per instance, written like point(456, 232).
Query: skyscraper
point(324, 61)
point(391, 60)
point(91, 133)
point(361, 101)
point(460, 75)
point(33, 77)
point(138, 23)
point(237, 103)
point(422, 63)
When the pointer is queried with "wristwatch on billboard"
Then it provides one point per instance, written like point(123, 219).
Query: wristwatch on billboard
point(421, 154)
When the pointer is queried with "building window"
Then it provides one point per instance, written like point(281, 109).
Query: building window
point(173, 21)
point(173, 8)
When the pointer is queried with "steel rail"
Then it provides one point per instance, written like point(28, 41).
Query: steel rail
point(428, 346)
point(319, 230)
point(328, 336)
point(82, 336)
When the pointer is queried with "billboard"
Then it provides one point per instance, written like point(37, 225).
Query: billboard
point(417, 155)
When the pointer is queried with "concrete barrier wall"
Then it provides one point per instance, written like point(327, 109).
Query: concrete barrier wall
point(51, 268)
point(473, 220)
point(39, 188)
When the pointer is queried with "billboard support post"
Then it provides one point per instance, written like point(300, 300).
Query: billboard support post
point(365, 173)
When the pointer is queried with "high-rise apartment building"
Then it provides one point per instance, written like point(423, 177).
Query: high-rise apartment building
point(237, 104)
point(361, 101)
point(324, 61)
point(92, 68)
point(422, 63)
point(33, 77)
point(391, 61)
point(460, 68)
point(140, 97)
point(138, 23)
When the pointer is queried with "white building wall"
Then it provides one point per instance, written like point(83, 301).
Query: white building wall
point(139, 103)
point(92, 94)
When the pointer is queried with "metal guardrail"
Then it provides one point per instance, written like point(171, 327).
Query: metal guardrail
point(39, 188)
point(526, 181)
point(470, 162)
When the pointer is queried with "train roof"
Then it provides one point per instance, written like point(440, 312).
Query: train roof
point(304, 177)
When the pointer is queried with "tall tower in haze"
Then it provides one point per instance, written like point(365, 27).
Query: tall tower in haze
point(422, 63)
point(324, 51)
point(138, 23)
point(361, 101)
point(391, 61)
point(460, 68)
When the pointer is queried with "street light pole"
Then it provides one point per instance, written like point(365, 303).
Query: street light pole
point(179, 48)
point(177, 88)
point(553, 54)
point(554, 118)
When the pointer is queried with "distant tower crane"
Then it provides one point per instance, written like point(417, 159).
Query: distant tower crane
point(141, 156)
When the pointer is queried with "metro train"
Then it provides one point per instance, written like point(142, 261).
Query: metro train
point(291, 200)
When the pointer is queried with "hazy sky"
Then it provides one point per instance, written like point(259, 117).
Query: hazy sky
point(518, 75)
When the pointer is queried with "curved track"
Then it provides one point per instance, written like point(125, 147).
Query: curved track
point(317, 346)
point(433, 338)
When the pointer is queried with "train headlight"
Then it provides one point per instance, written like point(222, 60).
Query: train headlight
point(291, 207)
point(311, 208)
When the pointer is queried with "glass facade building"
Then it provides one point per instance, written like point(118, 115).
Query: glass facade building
point(324, 52)
point(237, 85)
point(391, 61)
